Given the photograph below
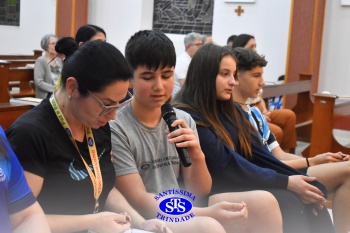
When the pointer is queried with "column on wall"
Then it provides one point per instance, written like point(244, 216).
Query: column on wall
point(305, 43)
point(70, 15)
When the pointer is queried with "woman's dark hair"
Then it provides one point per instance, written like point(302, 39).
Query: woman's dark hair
point(150, 48)
point(231, 39)
point(86, 32)
point(199, 95)
point(66, 46)
point(94, 65)
point(241, 40)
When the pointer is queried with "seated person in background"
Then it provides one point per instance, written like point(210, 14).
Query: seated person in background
point(276, 102)
point(85, 33)
point(19, 211)
point(192, 42)
point(335, 175)
point(230, 41)
point(90, 32)
point(207, 39)
point(64, 144)
point(281, 122)
point(235, 156)
point(139, 140)
point(47, 68)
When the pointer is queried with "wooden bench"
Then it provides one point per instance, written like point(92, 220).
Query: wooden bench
point(37, 53)
point(21, 62)
point(304, 107)
point(330, 112)
point(9, 112)
point(23, 75)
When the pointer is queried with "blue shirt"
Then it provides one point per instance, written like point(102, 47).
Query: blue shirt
point(15, 194)
point(260, 124)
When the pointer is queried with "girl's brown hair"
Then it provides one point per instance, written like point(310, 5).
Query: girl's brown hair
point(199, 95)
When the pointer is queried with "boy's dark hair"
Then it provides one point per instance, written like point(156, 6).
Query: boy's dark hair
point(150, 48)
point(248, 59)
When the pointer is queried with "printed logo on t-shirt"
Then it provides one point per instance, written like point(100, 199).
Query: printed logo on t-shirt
point(81, 174)
point(158, 163)
point(68, 132)
point(90, 141)
point(145, 166)
point(2, 175)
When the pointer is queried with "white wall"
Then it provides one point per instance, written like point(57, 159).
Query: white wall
point(267, 21)
point(121, 19)
point(36, 20)
point(335, 57)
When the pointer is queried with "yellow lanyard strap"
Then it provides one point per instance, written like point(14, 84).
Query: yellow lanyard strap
point(96, 178)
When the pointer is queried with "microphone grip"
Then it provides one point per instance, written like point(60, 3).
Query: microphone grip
point(182, 152)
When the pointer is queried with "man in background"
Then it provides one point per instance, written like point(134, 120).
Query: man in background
point(192, 42)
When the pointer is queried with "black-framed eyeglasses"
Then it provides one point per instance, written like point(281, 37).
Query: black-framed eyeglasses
point(109, 109)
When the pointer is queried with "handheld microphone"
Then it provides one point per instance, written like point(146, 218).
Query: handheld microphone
point(169, 116)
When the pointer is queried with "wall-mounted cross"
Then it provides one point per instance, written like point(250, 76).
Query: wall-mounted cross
point(239, 10)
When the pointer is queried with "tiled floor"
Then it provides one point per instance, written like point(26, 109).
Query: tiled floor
point(342, 136)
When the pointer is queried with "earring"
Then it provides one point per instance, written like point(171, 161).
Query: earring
point(69, 97)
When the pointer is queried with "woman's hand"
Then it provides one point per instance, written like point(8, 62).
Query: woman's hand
point(155, 225)
point(308, 193)
point(109, 222)
point(328, 157)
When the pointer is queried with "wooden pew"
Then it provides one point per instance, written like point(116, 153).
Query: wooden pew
point(21, 62)
point(304, 107)
point(23, 75)
point(330, 112)
point(37, 53)
point(9, 111)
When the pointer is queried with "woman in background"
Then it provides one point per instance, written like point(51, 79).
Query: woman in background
point(85, 33)
point(47, 68)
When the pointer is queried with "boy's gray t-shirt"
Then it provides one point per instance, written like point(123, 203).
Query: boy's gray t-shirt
point(137, 148)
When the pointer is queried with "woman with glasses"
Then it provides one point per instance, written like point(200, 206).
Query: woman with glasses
point(64, 144)
point(47, 68)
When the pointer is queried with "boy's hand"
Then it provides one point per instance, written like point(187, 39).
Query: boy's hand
point(184, 137)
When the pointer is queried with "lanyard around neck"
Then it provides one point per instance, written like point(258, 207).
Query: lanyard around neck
point(96, 178)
